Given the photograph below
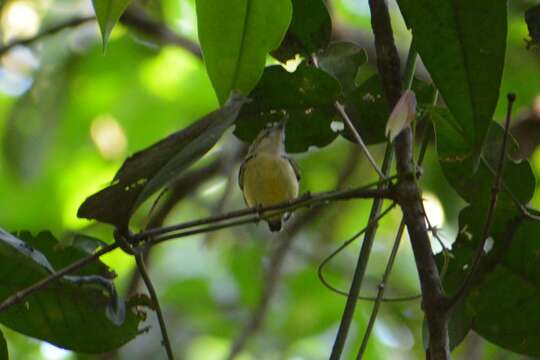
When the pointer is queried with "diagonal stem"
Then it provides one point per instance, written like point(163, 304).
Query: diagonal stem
point(399, 234)
point(490, 217)
point(153, 295)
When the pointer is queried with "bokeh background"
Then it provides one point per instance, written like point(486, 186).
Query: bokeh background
point(69, 115)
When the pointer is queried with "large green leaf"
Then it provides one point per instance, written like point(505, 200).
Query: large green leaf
point(457, 159)
point(236, 36)
point(462, 43)
point(66, 313)
point(342, 60)
point(150, 169)
point(108, 12)
point(306, 97)
point(3, 348)
point(310, 30)
point(502, 305)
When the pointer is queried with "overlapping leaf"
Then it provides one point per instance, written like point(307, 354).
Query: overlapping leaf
point(65, 313)
point(310, 30)
point(457, 159)
point(150, 169)
point(305, 97)
point(508, 274)
point(463, 44)
point(236, 36)
point(342, 60)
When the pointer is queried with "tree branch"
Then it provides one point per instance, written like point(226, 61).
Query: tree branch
point(148, 238)
point(433, 294)
point(137, 19)
point(153, 295)
point(490, 217)
point(49, 31)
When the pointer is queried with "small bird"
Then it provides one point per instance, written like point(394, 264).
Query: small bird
point(268, 176)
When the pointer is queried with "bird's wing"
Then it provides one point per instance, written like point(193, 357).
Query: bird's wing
point(294, 166)
point(241, 171)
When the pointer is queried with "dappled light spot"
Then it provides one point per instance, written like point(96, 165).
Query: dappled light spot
point(488, 245)
point(51, 352)
point(163, 74)
point(109, 137)
point(291, 64)
point(434, 209)
point(20, 19)
point(337, 126)
point(214, 187)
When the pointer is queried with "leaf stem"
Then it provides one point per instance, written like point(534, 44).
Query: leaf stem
point(490, 217)
point(153, 295)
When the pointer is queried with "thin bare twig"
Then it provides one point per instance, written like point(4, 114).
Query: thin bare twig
point(22, 294)
point(306, 200)
point(341, 110)
point(153, 295)
point(382, 286)
point(490, 217)
point(280, 208)
point(326, 261)
point(380, 291)
point(71, 23)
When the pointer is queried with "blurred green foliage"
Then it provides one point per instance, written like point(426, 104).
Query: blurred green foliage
point(70, 114)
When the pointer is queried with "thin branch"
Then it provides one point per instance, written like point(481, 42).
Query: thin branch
point(326, 261)
point(153, 295)
point(411, 60)
point(306, 200)
point(19, 296)
point(341, 110)
point(410, 201)
point(178, 190)
point(361, 265)
point(71, 23)
point(490, 217)
point(274, 209)
point(370, 235)
point(162, 34)
point(380, 291)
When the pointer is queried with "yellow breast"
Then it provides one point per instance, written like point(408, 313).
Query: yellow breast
point(269, 179)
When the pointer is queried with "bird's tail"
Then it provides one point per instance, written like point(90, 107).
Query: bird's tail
point(274, 224)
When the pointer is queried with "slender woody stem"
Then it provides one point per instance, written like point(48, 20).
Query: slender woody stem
point(490, 217)
point(365, 250)
point(341, 110)
point(399, 234)
point(153, 295)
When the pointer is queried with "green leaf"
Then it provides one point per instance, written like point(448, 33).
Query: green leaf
point(532, 18)
point(306, 97)
point(108, 13)
point(236, 36)
point(310, 30)
point(369, 110)
point(457, 158)
point(3, 347)
point(69, 313)
point(503, 303)
point(462, 44)
point(148, 170)
point(342, 60)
